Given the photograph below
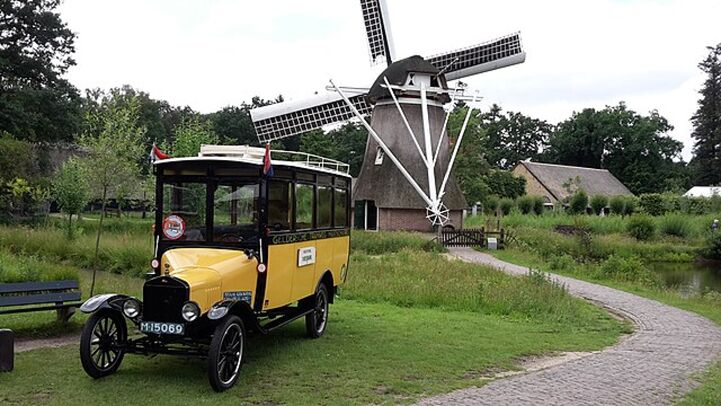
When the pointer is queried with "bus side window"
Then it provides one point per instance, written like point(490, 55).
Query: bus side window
point(279, 208)
point(304, 204)
point(341, 208)
point(325, 206)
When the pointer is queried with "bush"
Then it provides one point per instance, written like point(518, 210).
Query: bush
point(491, 205)
point(629, 269)
point(675, 225)
point(525, 204)
point(630, 204)
point(598, 203)
point(641, 227)
point(713, 246)
point(652, 203)
point(579, 202)
point(538, 205)
point(618, 205)
point(506, 205)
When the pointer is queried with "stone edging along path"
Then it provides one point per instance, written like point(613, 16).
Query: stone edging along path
point(653, 366)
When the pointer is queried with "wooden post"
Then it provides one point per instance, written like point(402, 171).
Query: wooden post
point(7, 350)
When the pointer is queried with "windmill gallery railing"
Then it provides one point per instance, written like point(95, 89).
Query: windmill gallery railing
point(471, 237)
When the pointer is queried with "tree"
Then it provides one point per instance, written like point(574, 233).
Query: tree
point(512, 137)
point(71, 190)
point(346, 144)
point(635, 148)
point(190, 136)
point(707, 122)
point(474, 174)
point(113, 150)
point(36, 49)
point(233, 125)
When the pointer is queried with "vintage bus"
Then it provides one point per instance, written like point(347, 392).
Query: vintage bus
point(239, 248)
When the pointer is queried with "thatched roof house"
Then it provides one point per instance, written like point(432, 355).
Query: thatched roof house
point(557, 182)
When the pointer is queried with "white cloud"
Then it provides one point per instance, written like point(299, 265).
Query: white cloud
point(579, 53)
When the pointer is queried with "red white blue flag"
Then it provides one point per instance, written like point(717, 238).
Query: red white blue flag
point(267, 166)
point(156, 154)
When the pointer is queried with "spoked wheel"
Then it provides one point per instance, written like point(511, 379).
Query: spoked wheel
point(316, 321)
point(102, 334)
point(226, 354)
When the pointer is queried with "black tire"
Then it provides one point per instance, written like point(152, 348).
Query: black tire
point(102, 333)
point(317, 321)
point(226, 353)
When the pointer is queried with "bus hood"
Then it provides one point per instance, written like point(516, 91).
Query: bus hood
point(205, 270)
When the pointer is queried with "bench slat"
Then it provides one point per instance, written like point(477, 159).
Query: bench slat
point(37, 286)
point(37, 299)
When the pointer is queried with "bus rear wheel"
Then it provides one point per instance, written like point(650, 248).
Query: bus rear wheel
point(317, 320)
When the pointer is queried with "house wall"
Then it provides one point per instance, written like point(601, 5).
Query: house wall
point(533, 186)
point(412, 220)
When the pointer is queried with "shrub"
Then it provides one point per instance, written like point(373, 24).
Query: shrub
point(675, 225)
point(525, 204)
point(563, 262)
point(641, 227)
point(579, 202)
point(629, 269)
point(491, 206)
point(618, 205)
point(652, 203)
point(538, 205)
point(630, 204)
point(506, 205)
point(713, 246)
point(598, 203)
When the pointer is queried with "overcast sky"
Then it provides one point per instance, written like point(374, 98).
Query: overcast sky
point(213, 53)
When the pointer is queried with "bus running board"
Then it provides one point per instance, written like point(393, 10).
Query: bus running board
point(284, 320)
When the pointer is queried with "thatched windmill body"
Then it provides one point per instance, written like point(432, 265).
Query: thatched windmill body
point(405, 180)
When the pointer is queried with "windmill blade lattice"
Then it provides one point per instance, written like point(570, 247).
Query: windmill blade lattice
point(284, 120)
point(495, 54)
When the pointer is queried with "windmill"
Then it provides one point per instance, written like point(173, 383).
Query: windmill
point(405, 180)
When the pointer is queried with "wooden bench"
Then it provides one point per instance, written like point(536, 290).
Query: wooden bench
point(61, 296)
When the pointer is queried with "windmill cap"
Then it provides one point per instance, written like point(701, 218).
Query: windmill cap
point(397, 73)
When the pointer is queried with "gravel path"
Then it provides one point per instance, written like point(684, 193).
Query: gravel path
point(652, 367)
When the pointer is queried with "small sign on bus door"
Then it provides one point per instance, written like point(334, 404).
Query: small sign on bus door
point(306, 256)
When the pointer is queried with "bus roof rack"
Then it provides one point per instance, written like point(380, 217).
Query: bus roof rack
point(279, 156)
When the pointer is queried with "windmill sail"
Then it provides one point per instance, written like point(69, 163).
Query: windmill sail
point(495, 54)
point(287, 119)
point(377, 31)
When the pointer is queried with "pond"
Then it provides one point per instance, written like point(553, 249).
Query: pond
point(690, 279)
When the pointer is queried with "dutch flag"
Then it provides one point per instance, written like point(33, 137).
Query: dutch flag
point(157, 154)
point(267, 166)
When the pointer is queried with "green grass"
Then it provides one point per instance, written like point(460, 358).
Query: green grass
point(409, 323)
point(695, 227)
point(384, 242)
point(15, 269)
point(371, 354)
point(127, 253)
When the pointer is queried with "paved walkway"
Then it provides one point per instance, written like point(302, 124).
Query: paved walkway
point(651, 367)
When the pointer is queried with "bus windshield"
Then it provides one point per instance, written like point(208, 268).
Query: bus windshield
point(232, 217)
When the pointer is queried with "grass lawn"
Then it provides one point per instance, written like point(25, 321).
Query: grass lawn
point(409, 323)
point(371, 353)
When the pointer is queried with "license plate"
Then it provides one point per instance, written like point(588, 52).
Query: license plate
point(155, 327)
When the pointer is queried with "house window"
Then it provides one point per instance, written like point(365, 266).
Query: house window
point(379, 156)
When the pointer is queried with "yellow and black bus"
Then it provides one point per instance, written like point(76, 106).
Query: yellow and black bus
point(238, 249)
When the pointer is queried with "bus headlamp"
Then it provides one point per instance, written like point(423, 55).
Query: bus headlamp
point(131, 308)
point(190, 311)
